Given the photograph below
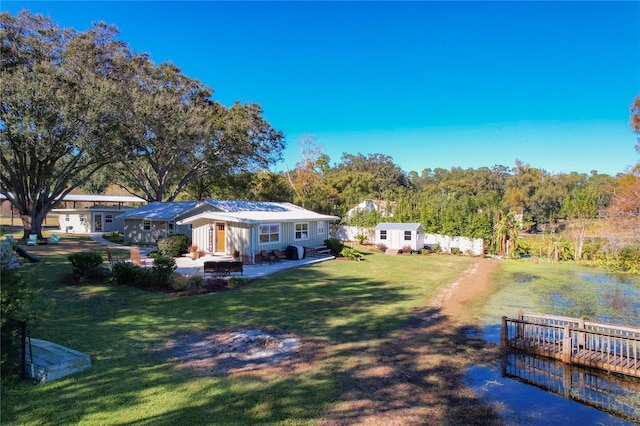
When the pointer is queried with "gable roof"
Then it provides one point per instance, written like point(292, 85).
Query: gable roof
point(227, 210)
point(160, 210)
point(252, 212)
point(389, 226)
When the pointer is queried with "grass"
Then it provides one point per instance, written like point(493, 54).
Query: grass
point(348, 310)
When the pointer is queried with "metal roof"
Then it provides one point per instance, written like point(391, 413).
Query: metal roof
point(390, 226)
point(160, 210)
point(227, 210)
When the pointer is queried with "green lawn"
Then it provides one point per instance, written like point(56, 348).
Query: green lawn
point(342, 306)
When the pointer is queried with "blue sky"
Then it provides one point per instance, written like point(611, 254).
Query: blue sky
point(431, 84)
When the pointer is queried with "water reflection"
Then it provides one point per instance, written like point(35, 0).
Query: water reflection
point(609, 392)
point(527, 390)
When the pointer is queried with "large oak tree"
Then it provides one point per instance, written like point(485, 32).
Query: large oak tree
point(59, 97)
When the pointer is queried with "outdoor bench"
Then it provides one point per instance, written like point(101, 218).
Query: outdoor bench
point(222, 268)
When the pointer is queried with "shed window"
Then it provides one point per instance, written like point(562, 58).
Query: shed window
point(67, 218)
point(320, 228)
point(407, 235)
point(302, 231)
point(269, 233)
point(383, 234)
point(146, 225)
point(171, 228)
point(81, 218)
point(108, 218)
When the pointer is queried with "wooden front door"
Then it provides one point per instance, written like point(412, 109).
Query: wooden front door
point(220, 238)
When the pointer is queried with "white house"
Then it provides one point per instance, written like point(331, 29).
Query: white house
point(400, 235)
point(383, 208)
point(86, 213)
point(226, 226)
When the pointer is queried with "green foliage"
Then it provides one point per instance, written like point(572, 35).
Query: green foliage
point(85, 264)
point(237, 281)
point(351, 253)
point(173, 246)
point(361, 238)
point(115, 237)
point(125, 273)
point(334, 245)
point(629, 259)
point(16, 307)
point(162, 271)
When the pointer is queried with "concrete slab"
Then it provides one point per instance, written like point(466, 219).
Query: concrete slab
point(52, 361)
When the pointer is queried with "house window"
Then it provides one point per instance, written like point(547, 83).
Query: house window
point(108, 218)
point(146, 225)
point(320, 228)
point(302, 231)
point(67, 218)
point(171, 228)
point(407, 235)
point(383, 234)
point(81, 218)
point(269, 233)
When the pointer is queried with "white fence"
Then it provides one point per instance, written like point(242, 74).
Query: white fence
point(474, 246)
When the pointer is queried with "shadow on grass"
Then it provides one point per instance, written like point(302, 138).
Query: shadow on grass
point(371, 355)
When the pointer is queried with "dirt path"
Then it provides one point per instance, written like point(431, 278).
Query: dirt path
point(419, 374)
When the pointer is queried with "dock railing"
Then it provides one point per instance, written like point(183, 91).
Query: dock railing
point(604, 346)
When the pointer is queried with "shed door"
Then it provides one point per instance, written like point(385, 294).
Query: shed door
point(97, 222)
point(220, 238)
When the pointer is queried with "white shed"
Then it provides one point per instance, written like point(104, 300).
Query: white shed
point(400, 235)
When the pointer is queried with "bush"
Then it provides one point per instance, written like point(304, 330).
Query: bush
point(162, 272)
point(629, 259)
point(407, 249)
point(85, 264)
point(193, 282)
point(381, 247)
point(125, 274)
point(361, 238)
point(351, 253)
point(334, 245)
point(173, 245)
point(115, 237)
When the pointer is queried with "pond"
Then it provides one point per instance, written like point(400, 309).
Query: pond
point(535, 391)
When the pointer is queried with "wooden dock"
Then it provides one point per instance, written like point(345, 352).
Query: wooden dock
point(607, 347)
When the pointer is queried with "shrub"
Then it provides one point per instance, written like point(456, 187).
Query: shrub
point(381, 247)
point(361, 238)
point(236, 281)
point(173, 245)
point(162, 272)
point(193, 282)
point(629, 259)
point(125, 274)
point(114, 237)
point(86, 263)
point(351, 253)
point(407, 249)
point(334, 245)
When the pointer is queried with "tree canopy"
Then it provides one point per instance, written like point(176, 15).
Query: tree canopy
point(74, 102)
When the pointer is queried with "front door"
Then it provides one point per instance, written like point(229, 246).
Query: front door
point(97, 222)
point(220, 238)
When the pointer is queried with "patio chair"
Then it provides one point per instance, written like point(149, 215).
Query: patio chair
point(55, 239)
point(279, 255)
point(267, 257)
point(33, 240)
point(112, 258)
point(135, 257)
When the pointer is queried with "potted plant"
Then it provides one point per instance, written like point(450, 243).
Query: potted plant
point(193, 252)
point(236, 255)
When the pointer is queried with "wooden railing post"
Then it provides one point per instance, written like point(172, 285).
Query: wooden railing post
point(503, 332)
point(567, 346)
point(581, 334)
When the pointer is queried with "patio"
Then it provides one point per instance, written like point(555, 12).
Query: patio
point(188, 266)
